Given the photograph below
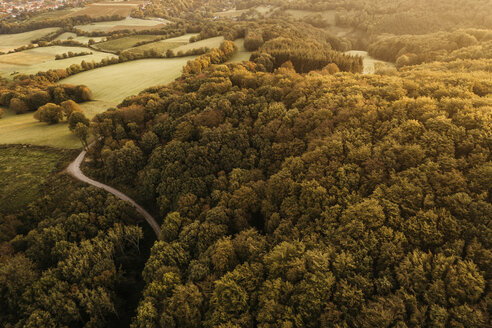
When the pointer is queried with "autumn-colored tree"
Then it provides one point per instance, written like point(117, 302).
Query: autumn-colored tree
point(49, 113)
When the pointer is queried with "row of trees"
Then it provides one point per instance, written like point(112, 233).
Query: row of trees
point(71, 54)
point(309, 200)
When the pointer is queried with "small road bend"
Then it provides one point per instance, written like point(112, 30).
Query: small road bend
point(74, 170)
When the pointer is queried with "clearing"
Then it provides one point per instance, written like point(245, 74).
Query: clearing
point(12, 41)
point(128, 23)
point(242, 54)
point(43, 58)
point(370, 64)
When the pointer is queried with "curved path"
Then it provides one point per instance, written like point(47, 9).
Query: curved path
point(74, 170)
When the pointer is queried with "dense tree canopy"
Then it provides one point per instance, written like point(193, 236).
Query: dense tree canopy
point(75, 261)
point(307, 201)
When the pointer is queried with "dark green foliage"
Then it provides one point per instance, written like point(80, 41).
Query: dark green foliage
point(75, 262)
point(309, 201)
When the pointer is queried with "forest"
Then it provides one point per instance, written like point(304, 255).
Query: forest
point(309, 201)
point(291, 189)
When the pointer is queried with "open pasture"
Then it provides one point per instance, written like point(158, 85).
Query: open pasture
point(42, 59)
point(11, 41)
point(128, 23)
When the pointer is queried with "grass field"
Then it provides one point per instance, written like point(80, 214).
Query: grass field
point(111, 84)
point(128, 23)
point(24, 129)
point(12, 41)
point(164, 45)
point(22, 172)
point(125, 42)
point(210, 43)
point(242, 54)
point(82, 39)
point(42, 59)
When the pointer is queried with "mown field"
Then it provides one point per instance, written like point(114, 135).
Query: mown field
point(23, 170)
point(42, 59)
point(128, 23)
point(12, 41)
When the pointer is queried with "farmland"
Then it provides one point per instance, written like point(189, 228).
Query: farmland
point(22, 172)
point(11, 41)
point(42, 59)
point(163, 45)
point(128, 23)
